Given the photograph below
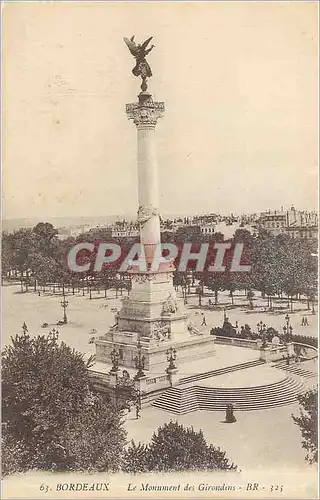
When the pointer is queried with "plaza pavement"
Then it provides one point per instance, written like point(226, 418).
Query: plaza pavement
point(85, 314)
point(259, 439)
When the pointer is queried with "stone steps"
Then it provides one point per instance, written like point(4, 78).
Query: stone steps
point(182, 400)
point(295, 369)
point(220, 371)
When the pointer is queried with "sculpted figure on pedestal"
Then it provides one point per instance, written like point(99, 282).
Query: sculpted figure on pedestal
point(145, 213)
point(170, 306)
point(161, 331)
point(139, 52)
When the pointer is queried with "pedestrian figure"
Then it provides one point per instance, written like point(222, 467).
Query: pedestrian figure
point(230, 418)
point(39, 294)
point(209, 302)
point(306, 321)
point(302, 321)
point(204, 323)
point(288, 359)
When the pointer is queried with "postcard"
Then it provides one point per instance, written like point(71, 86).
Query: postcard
point(160, 250)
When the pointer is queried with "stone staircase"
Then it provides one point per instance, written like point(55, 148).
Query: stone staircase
point(182, 400)
point(296, 369)
point(220, 371)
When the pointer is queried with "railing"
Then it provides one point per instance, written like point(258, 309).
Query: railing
point(306, 347)
point(156, 380)
point(156, 383)
point(250, 344)
point(103, 377)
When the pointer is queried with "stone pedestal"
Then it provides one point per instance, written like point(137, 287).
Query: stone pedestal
point(290, 349)
point(140, 384)
point(173, 376)
point(113, 378)
point(265, 354)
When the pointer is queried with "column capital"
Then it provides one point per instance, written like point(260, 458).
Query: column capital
point(146, 112)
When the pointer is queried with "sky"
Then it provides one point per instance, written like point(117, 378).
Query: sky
point(239, 82)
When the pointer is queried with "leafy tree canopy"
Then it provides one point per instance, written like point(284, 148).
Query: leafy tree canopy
point(308, 423)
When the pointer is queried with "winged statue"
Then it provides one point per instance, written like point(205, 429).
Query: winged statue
point(139, 52)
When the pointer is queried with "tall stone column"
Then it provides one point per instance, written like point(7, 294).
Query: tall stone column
point(145, 115)
point(152, 318)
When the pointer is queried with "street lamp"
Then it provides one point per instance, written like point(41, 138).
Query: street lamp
point(53, 335)
point(171, 357)
point(262, 332)
point(139, 362)
point(64, 305)
point(287, 329)
point(312, 303)
point(199, 292)
point(185, 299)
point(224, 315)
point(114, 355)
point(287, 318)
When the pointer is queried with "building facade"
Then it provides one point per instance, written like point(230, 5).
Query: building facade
point(294, 223)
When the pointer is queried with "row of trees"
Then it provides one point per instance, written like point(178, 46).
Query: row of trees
point(38, 258)
point(54, 420)
point(280, 265)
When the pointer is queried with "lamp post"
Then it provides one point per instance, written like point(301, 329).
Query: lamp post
point(171, 357)
point(64, 305)
point(114, 355)
point(224, 315)
point(185, 299)
point(313, 294)
point(287, 329)
point(262, 331)
point(199, 292)
point(53, 335)
point(139, 362)
point(312, 304)
point(137, 393)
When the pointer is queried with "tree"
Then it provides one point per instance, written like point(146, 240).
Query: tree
point(24, 246)
point(175, 448)
point(217, 283)
point(52, 418)
point(44, 269)
point(136, 458)
point(308, 423)
point(94, 439)
point(46, 233)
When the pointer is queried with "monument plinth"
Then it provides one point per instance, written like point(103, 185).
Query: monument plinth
point(152, 318)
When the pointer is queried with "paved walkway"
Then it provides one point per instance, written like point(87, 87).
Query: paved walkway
point(259, 439)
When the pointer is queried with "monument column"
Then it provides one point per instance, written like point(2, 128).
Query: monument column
point(145, 114)
point(152, 317)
